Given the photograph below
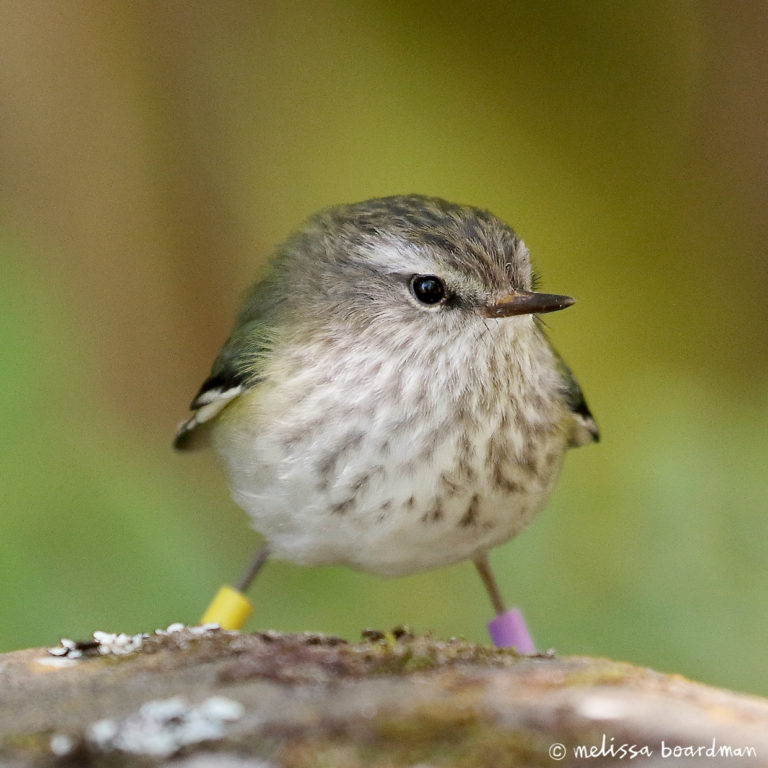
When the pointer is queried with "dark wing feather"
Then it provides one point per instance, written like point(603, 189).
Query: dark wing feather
point(585, 427)
point(235, 370)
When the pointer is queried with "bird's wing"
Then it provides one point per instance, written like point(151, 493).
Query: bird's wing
point(585, 429)
point(235, 370)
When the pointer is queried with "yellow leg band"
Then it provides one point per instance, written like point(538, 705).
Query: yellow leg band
point(229, 609)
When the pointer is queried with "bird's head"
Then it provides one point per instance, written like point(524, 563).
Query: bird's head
point(398, 261)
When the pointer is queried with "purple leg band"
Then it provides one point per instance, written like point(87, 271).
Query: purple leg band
point(509, 630)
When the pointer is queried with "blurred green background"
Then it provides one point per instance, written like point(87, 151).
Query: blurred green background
point(152, 154)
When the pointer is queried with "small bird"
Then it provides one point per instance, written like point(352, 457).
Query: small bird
point(388, 399)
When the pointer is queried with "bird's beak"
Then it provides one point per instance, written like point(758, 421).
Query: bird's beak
point(527, 303)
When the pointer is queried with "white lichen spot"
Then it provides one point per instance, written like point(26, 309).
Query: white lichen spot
point(102, 732)
point(164, 726)
point(221, 708)
point(62, 744)
point(601, 707)
point(205, 629)
point(119, 645)
point(66, 650)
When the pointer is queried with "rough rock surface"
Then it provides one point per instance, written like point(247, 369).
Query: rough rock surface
point(203, 697)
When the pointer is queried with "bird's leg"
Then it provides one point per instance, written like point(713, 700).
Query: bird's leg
point(253, 569)
point(486, 574)
point(508, 629)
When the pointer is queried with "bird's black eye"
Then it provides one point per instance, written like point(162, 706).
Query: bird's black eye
point(428, 289)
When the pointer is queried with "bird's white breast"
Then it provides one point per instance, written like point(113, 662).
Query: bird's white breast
point(393, 458)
